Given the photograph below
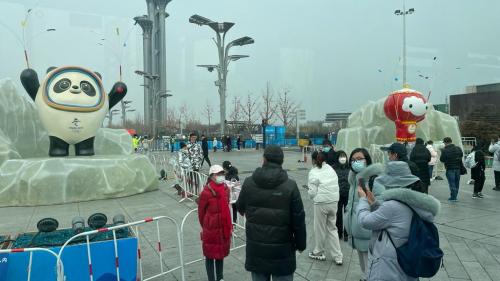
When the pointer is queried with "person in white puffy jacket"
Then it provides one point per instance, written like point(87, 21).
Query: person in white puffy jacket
point(434, 157)
point(324, 191)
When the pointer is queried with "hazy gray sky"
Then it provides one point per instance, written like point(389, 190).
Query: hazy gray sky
point(331, 55)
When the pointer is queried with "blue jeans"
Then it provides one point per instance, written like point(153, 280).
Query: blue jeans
point(453, 177)
point(431, 169)
point(267, 277)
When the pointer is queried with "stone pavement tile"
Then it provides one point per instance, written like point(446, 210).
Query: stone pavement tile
point(15, 220)
point(485, 259)
point(108, 207)
point(462, 251)
point(451, 213)
point(62, 213)
point(495, 240)
point(482, 225)
point(338, 272)
point(452, 264)
point(444, 229)
point(476, 271)
point(317, 275)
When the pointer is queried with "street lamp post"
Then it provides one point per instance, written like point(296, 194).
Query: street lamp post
point(221, 28)
point(147, 28)
point(125, 104)
point(150, 108)
point(403, 13)
point(110, 116)
point(157, 112)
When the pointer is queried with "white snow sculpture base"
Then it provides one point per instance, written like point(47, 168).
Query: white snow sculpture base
point(368, 127)
point(45, 181)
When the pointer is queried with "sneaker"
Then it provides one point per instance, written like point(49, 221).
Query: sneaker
point(319, 257)
point(475, 196)
point(496, 188)
point(452, 200)
point(480, 194)
point(338, 262)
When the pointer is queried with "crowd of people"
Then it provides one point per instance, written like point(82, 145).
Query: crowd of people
point(376, 208)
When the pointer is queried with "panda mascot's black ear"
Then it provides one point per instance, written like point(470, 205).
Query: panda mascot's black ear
point(50, 69)
point(98, 74)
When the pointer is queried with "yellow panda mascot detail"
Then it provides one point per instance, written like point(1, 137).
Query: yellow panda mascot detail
point(72, 105)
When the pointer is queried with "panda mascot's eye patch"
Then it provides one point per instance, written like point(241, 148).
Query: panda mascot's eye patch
point(87, 88)
point(62, 85)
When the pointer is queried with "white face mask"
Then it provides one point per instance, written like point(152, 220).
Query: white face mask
point(219, 179)
point(342, 160)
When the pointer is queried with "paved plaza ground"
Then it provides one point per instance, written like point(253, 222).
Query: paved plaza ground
point(469, 229)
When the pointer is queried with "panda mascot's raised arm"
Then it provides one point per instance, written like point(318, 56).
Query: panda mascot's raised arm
point(72, 105)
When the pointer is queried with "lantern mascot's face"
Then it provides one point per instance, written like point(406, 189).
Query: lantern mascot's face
point(72, 105)
point(406, 108)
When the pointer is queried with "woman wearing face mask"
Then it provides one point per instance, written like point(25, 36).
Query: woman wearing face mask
point(361, 170)
point(341, 167)
point(215, 221)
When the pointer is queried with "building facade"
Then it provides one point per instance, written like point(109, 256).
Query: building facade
point(480, 104)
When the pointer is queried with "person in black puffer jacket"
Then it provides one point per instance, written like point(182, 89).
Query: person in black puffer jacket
point(329, 153)
point(451, 156)
point(477, 172)
point(275, 219)
point(421, 156)
point(342, 169)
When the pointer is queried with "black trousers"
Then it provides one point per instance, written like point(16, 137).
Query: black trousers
point(340, 214)
point(215, 273)
point(205, 158)
point(235, 213)
point(497, 179)
point(479, 184)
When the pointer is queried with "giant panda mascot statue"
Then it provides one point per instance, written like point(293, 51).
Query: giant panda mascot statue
point(72, 105)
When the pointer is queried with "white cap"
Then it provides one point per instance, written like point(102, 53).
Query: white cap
point(215, 169)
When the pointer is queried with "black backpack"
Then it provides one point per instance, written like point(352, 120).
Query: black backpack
point(420, 256)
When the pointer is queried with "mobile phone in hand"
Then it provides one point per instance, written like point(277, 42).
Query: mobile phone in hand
point(362, 183)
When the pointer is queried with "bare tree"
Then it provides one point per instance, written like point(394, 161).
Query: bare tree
point(236, 109)
point(249, 109)
point(286, 109)
point(172, 120)
point(268, 109)
point(235, 112)
point(208, 112)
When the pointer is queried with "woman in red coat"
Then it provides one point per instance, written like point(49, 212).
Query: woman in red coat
point(215, 221)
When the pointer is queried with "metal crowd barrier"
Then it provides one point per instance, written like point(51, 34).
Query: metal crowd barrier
point(59, 269)
point(191, 183)
point(203, 258)
point(136, 228)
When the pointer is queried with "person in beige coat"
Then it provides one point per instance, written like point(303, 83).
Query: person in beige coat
point(324, 191)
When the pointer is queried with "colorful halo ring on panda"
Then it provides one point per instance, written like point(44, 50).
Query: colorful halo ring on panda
point(92, 97)
point(405, 107)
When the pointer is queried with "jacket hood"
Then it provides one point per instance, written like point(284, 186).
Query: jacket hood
point(372, 170)
point(425, 205)
point(269, 175)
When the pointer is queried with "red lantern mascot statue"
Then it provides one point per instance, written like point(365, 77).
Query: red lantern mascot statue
point(405, 107)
